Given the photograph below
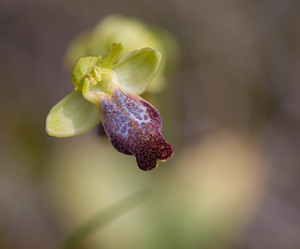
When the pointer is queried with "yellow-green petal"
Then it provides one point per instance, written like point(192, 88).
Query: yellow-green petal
point(137, 69)
point(83, 67)
point(71, 116)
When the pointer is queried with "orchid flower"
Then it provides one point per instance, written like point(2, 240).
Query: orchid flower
point(107, 90)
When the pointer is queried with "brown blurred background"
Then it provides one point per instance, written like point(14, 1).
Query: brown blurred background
point(232, 111)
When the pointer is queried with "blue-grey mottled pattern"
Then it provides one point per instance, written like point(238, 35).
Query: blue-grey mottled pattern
point(134, 128)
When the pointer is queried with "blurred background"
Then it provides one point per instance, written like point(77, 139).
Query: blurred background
point(230, 107)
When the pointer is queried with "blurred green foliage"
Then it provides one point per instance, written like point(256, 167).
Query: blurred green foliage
point(133, 35)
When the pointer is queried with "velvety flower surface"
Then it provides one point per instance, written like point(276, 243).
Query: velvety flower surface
point(134, 128)
point(107, 90)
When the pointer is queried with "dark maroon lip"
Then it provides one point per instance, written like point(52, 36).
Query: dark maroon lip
point(134, 128)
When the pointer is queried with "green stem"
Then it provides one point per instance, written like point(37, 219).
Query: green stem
point(103, 218)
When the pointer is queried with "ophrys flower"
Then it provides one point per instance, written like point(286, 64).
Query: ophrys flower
point(106, 89)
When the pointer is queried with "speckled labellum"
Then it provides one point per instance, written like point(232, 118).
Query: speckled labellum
point(134, 128)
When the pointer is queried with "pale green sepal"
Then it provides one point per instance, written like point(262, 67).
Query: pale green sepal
point(137, 69)
point(83, 67)
point(71, 116)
